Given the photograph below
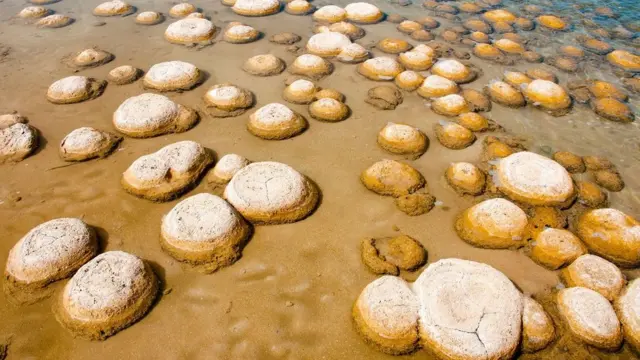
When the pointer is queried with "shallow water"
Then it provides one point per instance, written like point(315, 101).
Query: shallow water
point(290, 295)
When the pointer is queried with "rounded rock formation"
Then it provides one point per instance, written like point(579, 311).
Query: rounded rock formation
point(256, 7)
point(537, 327)
point(392, 178)
point(106, 295)
point(328, 109)
point(190, 31)
point(590, 195)
point(363, 13)
point(504, 94)
point(17, 139)
point(271, 193)
point(555, 248)
point(33, 12)
point(386, 315)
point(149, 18)
point(299, 7)
point(473, 121)
point(393, 46)
point(403, 140)
point(54, 21)
point(327, 44)
point(609, 179)
point(465, 178)
point(354, 32)
point(572, 162)
point(300, 92)
point(477, 101)
point(90, 58)
point(612, 109)
point(468, 310)
point(380, 69)
point(533, 179)
point(493, 224)
point(172, 76)
point(227, 100)
point(628, 310)
point(611, 234)
point(590, 317)
point(624, 60)
point(87, 143)
point(408, 26)
point(113, 8)
point(238, 33)
point(51, 251)
point(595, 273)
point(498, 15)
point(552, 22)
point(409, 80)
point(487, 51)
point(276, 122)
point(122, 75)
point(226, 167)
point(311, 66)
point(330, 14)
point(435, 86)
point(149, 115)
point(264, 65)
point(454, 71)
point(384, 97)
point(168, 172)
point(548, 96)
point(450, 105)
point(74, 89)
point(204, 230)
point(353, 54)
point(415, 60)
point(182, 10)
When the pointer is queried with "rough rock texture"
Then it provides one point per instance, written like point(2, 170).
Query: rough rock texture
point(89, 58)
point(54, 21)
point(384, 97)
point(364, 13)
point(453, 136)
point(386, 315)
point(150, 115)
point(271, 193)
point(392, 178)
point(327, 43)
point(17, 139)
point(113, 8)
point(390, 255)
point(435, 86)
point(537, 327)
point(122, 75)
point(168, 172)
point(182, 10)
point(555, 248)
point(450, 105)
point(172, 76)
point(238, 33)
point(264, 65)
point(256, 7)
point(465, 178)
point(106, 295)
point(572, 162)
point(468, 310)
point(87, 143)
point(285, 38)
point(51, 251)
point(409, 80)
point(453, 70)
point(73, 89)
point(227, 100)
point(276, 122)
point(590, 195)
point(595, 273)
point(204, 230)
point(330, 14)
point(548, 96)
point(190, 31)
point(380, 68)
point(494, 224)
point(33, 12)
point(311, 66)
point(628, 309)
point(328, 109)
point(590, 317)
point(226, 167)
point(504, 94)
point(611, 234)
point(417, 203)
point(300, 91)
point(533, 179)
point(403, 139)
point(353, 54)
point(149, 18)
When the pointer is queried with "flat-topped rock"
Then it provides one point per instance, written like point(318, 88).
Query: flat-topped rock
point(226, 167)
point(73, 89)
point(172, 76)
point(276, 122)
point(392, 178)
point(264, 65)
point(256, 7)
point(271, 193)
point(403, 139)
point(494, 224)
point(87, 143)
point(17, 139)
point(150, 115)
point(168, 172)
point(555, 248)
point(537, 327)
point(189, 31)
point(226, 100)
point(595, 273)
point(380, 68)
point(113, 8)
point(311, 66)
point(106, 295)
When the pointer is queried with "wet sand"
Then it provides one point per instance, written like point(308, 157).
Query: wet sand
point(290, 295)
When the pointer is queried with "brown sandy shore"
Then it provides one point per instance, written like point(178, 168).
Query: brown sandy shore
point(290, 295)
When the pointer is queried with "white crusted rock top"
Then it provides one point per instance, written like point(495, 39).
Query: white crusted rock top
point(113, 8)
point(327, 43)
point(386, 314)
point(149, 18)
point(533, 179)
point(106, 295)
point(276, 121)
point(468, 310)
point(628, 308)
point(17, 139)
point(264, 65)
point(87, 143)
point(330, 14)
point(494, 223)
point(123, 75)
point(238, 33)
point(51, 251)
point(353, 54)
point(33, 12)
point(382, 68)
point(364, 13)
point(436, 86)
point(225, 100)
point(402, 139)
point(73, 89)
point(54, 21)
point(168, 172)
point(190, 30)
point(312, 66)
point(256, 7)
point(182, 10)
point(271, 193)
point(172, 76)
point(590, 317)
point(149, 115)
point(537, 327)
point(226, 167)
point(90, 58)
point(595, 273)
point(204, 229)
